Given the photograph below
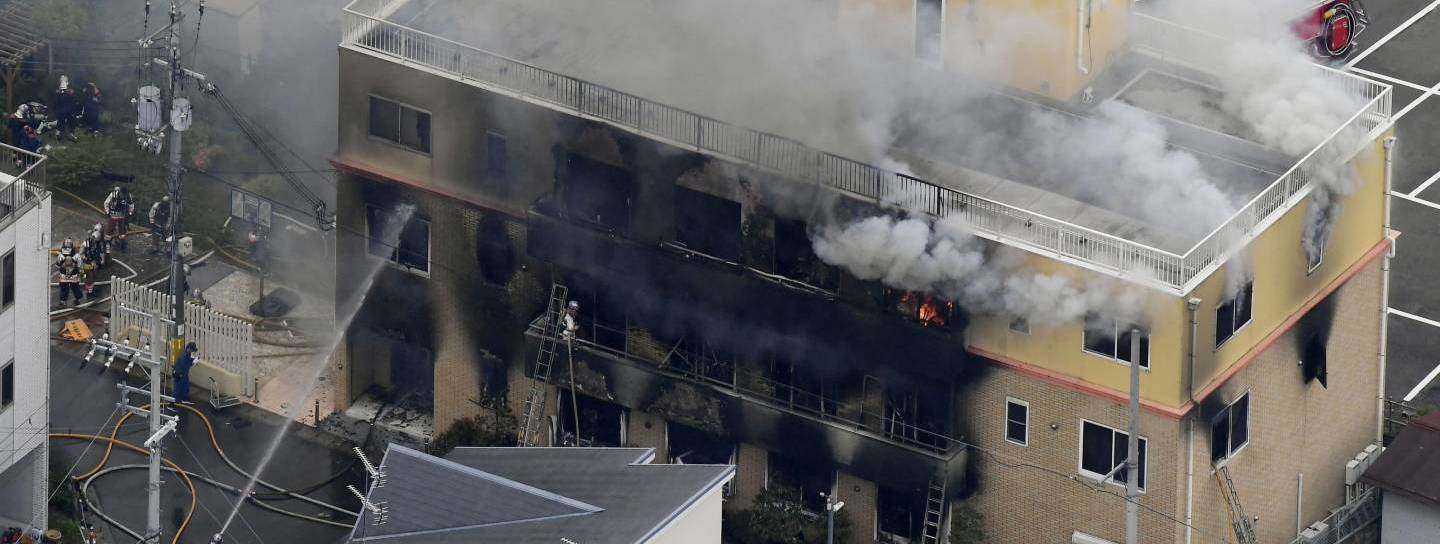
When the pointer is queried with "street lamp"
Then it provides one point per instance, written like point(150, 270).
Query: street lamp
point(831, 507)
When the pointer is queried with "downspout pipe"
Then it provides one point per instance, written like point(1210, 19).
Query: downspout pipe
point(1385, 294)
point(1194, 306)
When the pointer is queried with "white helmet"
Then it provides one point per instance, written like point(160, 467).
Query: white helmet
point(574, 305)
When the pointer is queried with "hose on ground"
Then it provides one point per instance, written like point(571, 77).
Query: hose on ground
point(111, 441)
point(230, 489)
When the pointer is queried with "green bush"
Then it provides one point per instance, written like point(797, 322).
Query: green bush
point(477, 431)
point(967, 525)
point(778, 517)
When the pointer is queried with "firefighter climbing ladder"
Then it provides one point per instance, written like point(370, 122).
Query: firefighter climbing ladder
point(931, 532)
point(1244, 530)
point(534, 409)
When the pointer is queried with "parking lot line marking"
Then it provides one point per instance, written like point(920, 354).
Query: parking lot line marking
point(1427, 94)
point(1425, 185)
point(1408, 315)
point(1391, 79)
point(1413, 18)
point(1421, 386)
point(1416, 200)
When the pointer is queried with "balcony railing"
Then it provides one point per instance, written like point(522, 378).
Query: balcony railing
point(753, 385)
point(27, 185)
point(366, 29)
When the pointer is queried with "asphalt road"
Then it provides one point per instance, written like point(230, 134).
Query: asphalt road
point(1409, 57)
point(84, 400)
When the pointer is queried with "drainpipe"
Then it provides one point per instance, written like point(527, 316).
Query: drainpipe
point(1194, 306)
point(1385, 295)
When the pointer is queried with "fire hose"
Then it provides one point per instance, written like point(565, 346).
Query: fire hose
point(252, 499)
point(111, 442)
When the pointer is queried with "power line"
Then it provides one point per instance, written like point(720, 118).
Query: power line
point(206, 472)
point(81, 457)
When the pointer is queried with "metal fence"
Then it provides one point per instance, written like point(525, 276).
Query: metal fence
point(365, 28)
point(26, 186)
point(1348, 521)
point(225, 342)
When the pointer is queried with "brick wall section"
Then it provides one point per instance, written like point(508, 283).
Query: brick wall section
point(859, 497)
point(647, 430)
point(1298, 428)
point(750, 469)
point(1033, 493)
point(340, 383)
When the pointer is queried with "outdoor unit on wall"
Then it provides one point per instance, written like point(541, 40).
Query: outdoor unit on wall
point(1355, 468)
point(1312, 534)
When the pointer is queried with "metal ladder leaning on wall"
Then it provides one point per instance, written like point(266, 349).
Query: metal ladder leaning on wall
point(534, 409)
point(1244, 529)
point(933, 529)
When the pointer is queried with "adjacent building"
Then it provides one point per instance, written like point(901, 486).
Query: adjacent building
point(492, 173)
point(1408, 476)
point(24, 338)
point(542, 495)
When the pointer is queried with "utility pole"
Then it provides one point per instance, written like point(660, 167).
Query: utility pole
point(831, 507)
point(1132, 457)
point(180, 118)
point(152, 356)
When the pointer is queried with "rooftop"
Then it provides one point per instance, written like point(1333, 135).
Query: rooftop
point(532, 495)
point(784, 109)
point(1411, 465)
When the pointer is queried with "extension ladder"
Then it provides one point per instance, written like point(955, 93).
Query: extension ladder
point(534, 407)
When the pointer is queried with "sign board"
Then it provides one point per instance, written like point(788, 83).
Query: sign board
point(250, 207)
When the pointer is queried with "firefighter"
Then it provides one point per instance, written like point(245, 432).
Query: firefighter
point(70, 276)
point(67, 251)
point(96, 246)
point(570, 323)
point(66, 107)
point(92, 257)
point(120, 206)
point(182, 373)
point(160, 225)
point(258, 239)
point(90, 113)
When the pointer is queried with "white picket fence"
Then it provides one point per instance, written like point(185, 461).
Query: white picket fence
point(225, 342)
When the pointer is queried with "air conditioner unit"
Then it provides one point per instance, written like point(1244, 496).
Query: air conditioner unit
point(1313, 533)
point(187, 246)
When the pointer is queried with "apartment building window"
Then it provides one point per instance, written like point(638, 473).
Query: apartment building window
point(1110, 338)
point(497, 155)
point(707, 224)
point(1103, 449)
point(7, 280)
point(809, 479)
point(898, 514)
point(400, 124)
point(602, 424)
point(687, 445)
point(1230, 429)
point(7, 385)
point(1017, 421)
point(929, 29)
point(1020, 325)
point(595, 192)
point(1233, 314)
point(410, 250)
point(795, 256)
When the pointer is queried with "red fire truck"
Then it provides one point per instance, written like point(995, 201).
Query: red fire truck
point(1331, 26)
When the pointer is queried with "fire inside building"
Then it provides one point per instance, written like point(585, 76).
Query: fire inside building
point(710, 328)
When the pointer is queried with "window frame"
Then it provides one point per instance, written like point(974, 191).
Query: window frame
point(1092, 475)
point(1023, 326)
point(399, 140)
point(939, 58)
point(394, 260)
point(1025, 425)
point(499, 170)
point(1228, 413)
point(7, 385)
point(7, 280)
point(1249, 294)
point(1145, 337)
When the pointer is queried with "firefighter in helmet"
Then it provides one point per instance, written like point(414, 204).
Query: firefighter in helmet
point(92, 257)
point(570, 322)
point(67, 251)
point(160, 225)
point(119, 206)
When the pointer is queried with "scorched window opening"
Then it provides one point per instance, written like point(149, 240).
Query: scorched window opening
point(927, 309)
point(1232, 315)
point(1111, 339)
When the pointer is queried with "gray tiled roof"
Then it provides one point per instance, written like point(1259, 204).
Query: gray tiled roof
point(591, 495)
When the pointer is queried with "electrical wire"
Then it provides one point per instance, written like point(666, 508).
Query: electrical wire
point(211, 477)
point(87, 450)
point(112, 441)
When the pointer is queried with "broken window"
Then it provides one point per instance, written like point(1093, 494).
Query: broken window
point(602, 424)
point(929, 29)
point(928, 309)
point(810, 478)
point(697, 357)
point(493, 250)
point(1230, 429)
point(1110, 338)
point(801, 388)
point(595, 192)
point(1233, 314)
point(400, 124)
point(915, 418)
point(1103, 449)
point(690, 446)
point(412, 247)
point(898, 514)
point(795, 257)
point(707, 224)
point(602, 315)
point(497, 158)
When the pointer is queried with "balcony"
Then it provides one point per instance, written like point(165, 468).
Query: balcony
point(22, 183)
point(368, 30)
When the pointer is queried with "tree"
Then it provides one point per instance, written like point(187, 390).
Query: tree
point(81, 162)
point(967, 525)
point(779, 517)
point(61, 19)
point(477, 431)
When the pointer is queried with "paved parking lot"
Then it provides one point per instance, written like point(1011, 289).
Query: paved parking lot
point(1400, 48)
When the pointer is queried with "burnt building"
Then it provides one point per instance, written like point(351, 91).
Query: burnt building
point(492, 176)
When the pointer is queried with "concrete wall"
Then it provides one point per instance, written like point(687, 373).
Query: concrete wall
point(25, 342)
point(1405, 520)
point(700, 524)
